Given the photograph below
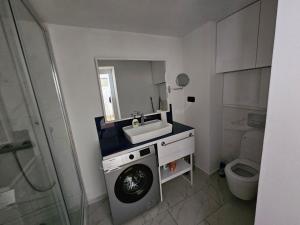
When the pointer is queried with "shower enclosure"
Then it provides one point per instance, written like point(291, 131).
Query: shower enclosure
point(40, 182)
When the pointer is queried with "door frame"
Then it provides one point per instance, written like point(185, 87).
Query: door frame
point(116, 97)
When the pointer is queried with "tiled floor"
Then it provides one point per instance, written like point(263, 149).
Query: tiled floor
point(207, 202)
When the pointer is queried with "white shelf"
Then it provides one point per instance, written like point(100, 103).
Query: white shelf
point(181, 167)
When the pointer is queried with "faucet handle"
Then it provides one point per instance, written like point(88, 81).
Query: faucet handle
point(135, 114)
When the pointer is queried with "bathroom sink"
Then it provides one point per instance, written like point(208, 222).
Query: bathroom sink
point(151, 129)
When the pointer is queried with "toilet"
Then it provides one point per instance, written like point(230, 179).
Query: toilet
point(242, 174)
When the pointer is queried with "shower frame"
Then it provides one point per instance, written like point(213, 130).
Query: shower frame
point(61, 100)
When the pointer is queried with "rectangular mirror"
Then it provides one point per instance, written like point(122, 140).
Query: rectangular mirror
point(128, 86)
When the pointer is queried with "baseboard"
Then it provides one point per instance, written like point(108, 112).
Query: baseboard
point(97, 199)
point(204, 171)
point(213, 171)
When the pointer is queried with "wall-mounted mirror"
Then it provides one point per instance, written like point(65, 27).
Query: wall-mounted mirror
point(127, 86)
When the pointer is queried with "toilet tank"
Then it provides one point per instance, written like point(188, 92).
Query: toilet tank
point(251, 145)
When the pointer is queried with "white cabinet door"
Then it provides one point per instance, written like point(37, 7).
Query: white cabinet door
point(237, 40)
point(248, 88)
point(158, 72)
point(242, 88)
point(264, 87)
point(175, 147)
point(266, 33)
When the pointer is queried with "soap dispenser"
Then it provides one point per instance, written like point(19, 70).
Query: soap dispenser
point(135, 122)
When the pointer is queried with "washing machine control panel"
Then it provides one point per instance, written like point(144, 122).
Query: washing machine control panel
point(118, 161)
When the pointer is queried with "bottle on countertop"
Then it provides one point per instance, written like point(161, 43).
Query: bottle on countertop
point(135, 122)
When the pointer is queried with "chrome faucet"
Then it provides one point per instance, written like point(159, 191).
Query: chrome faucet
point(136, 114)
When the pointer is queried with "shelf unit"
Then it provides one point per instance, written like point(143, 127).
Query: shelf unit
point(179, 148)
point(182, 166)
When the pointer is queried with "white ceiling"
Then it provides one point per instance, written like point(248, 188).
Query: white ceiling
point(163, 17)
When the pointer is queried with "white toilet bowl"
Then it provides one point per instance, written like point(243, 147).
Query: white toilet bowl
point(242, 174)
point(242, 178)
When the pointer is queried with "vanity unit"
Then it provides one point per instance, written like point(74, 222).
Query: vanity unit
point(129, 167)
point(140, 144)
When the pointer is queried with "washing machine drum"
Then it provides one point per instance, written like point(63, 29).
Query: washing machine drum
point(133, 183)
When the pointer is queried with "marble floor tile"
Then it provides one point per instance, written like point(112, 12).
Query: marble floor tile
point(200, 180)
point(214, 185)
point(235, 212)
point(155, 211)
point(194, 209)
point(207, 202)
point(162, 219)
point(218, 189)
point(176, 191)
point(204, 223)
point(99, 213)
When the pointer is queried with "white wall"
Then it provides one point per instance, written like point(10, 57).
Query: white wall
point(244, 92)
point(278, 193)
point(74, 50)
point(206, 113)
point(235, 125)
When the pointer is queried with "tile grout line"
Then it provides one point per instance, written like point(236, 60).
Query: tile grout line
point(172, 216)
point(210, 214)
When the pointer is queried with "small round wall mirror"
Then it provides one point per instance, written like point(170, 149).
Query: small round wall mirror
point(182, 80)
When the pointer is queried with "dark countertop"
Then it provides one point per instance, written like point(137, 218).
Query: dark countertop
point(113, 140)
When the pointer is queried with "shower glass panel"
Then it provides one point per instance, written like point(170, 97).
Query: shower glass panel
point(20, 204)
point(40, 182)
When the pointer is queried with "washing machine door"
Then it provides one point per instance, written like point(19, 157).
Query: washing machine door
point(133, 183)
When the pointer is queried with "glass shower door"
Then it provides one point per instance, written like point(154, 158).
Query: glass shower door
point(48, 96)
point(29, 189)
point(45, 109)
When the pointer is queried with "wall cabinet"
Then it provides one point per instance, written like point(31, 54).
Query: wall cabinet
point(245, 39)
point(266, 33)
point(247, 89)
point(237, 40)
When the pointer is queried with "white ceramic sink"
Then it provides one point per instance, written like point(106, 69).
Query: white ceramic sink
point(151, 129)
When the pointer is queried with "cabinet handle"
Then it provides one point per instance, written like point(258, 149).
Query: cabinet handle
point(165, 144)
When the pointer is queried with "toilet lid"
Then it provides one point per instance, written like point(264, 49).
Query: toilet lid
point(251, 145)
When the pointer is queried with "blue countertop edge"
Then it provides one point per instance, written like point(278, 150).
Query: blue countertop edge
point(113, 140)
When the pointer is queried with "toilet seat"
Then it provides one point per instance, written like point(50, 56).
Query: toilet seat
point(247, 163)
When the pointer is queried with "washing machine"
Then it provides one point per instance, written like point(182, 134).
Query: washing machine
point(132, 183)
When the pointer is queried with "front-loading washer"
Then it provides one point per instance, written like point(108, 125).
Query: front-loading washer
point(132, 183)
